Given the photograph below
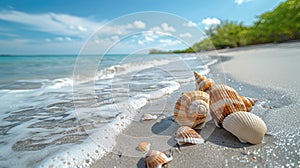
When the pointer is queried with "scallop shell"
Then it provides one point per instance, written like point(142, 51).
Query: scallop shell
point(225, 100)
point(186, 135)
point(202, 82)
point(191, 109)
point(144, 146)
point(155, 159)
point(148, 117)
point(247, 127)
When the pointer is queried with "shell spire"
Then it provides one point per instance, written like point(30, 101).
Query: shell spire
point(191, 109)
point(247, 127)
point(202, 82)
point(186, 135)
point(155, 159)
point(249, 102)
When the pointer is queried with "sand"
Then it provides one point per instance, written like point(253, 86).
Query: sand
point(266, 72)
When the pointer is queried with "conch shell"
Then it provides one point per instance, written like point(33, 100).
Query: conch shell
point(144, 146)
point(155, 159)
point(202, 82)
point(191, 109)
point(224, 100)
point(186, 135)
point(247, 127)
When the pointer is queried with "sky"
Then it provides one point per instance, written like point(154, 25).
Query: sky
point(115, 26)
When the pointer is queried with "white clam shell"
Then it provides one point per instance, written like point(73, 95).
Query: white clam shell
point(247, 127)
point(186, 135)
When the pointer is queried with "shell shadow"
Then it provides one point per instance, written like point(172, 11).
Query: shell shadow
point(166, 126)
point(141, 163)
point(224, 138)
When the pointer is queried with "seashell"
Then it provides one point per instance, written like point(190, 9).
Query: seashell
point(247, 127)
point(148, 117)
point(191, 109)
point(202, 82)
point(186, 135)
point(249, 102)
point(144, 146)
point(225, 100)
point(155, 159)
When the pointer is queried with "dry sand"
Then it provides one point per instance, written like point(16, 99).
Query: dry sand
point(267, 72)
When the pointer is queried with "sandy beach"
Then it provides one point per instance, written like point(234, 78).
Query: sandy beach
point(266, 72)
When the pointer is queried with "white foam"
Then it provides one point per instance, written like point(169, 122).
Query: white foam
point(59, 83)
point(189, 58)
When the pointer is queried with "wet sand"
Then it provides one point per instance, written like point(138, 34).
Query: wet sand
point(268, 73)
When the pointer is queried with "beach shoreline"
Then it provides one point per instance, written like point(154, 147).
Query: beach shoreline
point(221, 148)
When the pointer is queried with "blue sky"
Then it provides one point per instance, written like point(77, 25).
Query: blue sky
point(66, 26)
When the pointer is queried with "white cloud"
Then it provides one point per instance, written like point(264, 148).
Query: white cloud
point(168, 43)
point(68, 39)
point(208, 22)
point(187, 35)
point(139, 24)
point(211, 21)
point(115, 38)
point(190, 24)
point(58, 24)
point(60, 39)
point(239, 2)
point(167, 28)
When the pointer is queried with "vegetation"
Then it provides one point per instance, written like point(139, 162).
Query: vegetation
point(280, 25)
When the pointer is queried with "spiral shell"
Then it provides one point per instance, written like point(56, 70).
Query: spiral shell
point(191, 109)
point(144, 146)
point(186, 135)
point(249, 102)
point(202, 82)
point(247, 127)
point(225, 100)
point(155, 159)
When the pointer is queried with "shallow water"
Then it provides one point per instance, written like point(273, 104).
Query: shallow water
point(47, 119)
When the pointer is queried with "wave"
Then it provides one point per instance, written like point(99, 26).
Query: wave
point(104, 120)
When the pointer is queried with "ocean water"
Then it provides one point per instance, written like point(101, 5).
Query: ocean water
point(48, 119)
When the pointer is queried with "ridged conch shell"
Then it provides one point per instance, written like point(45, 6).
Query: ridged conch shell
point(144, 146)
point(202, 82)
point(191, 109)
point(186, 135)
point(225, 100)
point(247, 127)
point(155, 159)
point(148, 117)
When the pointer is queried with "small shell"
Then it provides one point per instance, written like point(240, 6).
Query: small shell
point(249, 102)
point(186, 135)
point(225, 100)
point(148, 117)
point(202, 83)
point(144, 146)
point(191, 109)
point(155, 159)
point(247, 127)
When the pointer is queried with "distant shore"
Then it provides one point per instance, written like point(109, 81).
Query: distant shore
point(267, 72)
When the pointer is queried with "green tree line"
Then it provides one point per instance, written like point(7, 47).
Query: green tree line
point(280, 25)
